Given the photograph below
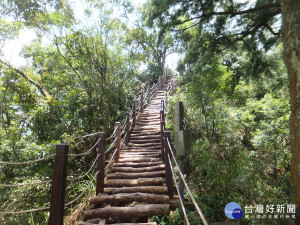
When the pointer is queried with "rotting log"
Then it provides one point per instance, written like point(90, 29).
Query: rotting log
point(128, 212)
point(130, 197)
point(144, 189)
point(134, 182)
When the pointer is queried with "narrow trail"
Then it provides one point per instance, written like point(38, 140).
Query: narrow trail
point(135, 188)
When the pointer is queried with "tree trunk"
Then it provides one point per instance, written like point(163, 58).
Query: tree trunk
point(291, 43)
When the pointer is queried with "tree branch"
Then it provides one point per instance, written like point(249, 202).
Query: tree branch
point(42, 90)
point(232, 13)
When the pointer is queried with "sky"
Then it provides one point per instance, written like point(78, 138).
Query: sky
point(12, 48)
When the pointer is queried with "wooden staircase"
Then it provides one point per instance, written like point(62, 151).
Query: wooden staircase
point(135, 189)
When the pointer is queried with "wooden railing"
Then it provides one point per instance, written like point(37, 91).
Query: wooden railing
point(167, 156)
point(121, 138)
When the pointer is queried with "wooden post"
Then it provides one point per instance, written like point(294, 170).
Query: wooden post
point(127, 129)
point(59, 185)
point(149, 95)
point(118, 142)
point(142, 102)
point(179, 112)
point(169, 180)
point(163, 108)
point(134, 114)
point(162, 125)
point(100, 163)
point(159, 82)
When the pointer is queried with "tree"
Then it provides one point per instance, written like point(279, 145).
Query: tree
point(225, 23)
point(290, 38)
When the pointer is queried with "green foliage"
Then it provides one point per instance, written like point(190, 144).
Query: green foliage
point(173, 219)
point(241, 149)
point(90, 74)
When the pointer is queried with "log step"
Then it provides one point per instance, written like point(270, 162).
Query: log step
point(143, 189)
point(137, 164)
point(148, 122)
point(142, 137)
point(144, 145)
point(141, 132)
point(120, 175)
point(143, 140)
point(127, 212)
point(130, 197)
point(140, 159)
point(142, 151)
point(87, 223)
point(134, 182)
point(146, 155)
point(145, 148)
point(143, 169)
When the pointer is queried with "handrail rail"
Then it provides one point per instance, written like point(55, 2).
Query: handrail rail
point(186, 185)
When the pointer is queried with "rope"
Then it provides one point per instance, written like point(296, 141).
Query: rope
point(25, 211)
point(87, 152)
point(180, 199)
point(82, 176)
point(111, 136)
point(187, 187)
point(111, 146)
point(89, 135)
point(79, 196)
point(111, 160)
point(123, 131)
point(28, 184)
point(76, 199)
point(28, 162)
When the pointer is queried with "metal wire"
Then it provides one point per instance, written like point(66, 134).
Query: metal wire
point(187, 187)
point(87, 152)
point(28, 162)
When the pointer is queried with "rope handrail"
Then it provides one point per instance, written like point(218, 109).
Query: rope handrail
point(112, 135)
point(79, 196)
point(24, 211)
point(179, 196)
point(111, 160)
point(124, 128)
point(89, 135)
point(86, 173)
point(111, 146)
point(187, 187)
point(26, 184)
point(86, 152)
point(27, 162)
